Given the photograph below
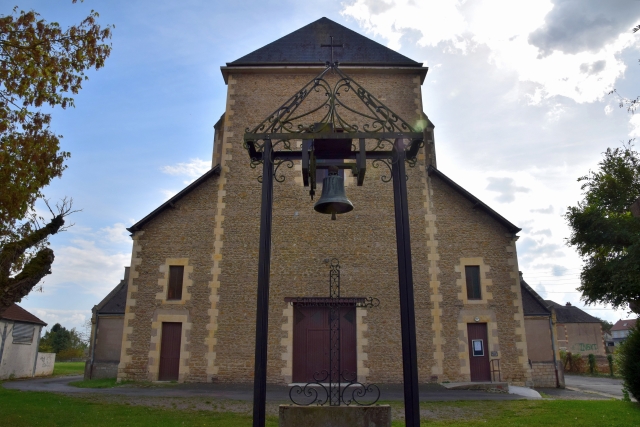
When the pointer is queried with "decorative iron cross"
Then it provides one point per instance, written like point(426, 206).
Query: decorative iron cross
point(331, 45)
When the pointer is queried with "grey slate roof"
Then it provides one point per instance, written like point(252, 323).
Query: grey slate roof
point(532, 303)
point(302, 47)
point(116, 301)
point(570, 314)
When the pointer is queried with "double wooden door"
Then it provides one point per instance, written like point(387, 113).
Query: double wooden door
point(311, 343)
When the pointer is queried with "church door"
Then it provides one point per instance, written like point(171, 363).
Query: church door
point(170, 351)
point(311, 343)
point(478, 352)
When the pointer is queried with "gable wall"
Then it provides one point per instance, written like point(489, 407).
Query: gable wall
point(182, 235)
point(468, 236)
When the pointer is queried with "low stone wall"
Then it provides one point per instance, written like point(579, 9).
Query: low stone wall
point(44, 364)
point(544, 374)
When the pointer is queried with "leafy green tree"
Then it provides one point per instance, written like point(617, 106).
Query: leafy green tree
point(629, 363)
point(605, 232)
point(60, 339)
point(606, 325)
point(41, 64)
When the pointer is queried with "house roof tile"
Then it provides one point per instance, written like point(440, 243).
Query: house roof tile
point(19, 314)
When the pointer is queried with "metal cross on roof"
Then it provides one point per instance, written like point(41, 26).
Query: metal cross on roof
point(331, 45)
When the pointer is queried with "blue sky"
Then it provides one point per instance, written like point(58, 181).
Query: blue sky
point(517, 91)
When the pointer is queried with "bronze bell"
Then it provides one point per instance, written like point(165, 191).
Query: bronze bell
point(333, 199)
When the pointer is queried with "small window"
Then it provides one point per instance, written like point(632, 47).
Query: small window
point(176, 273)
point(472, 274)
point(23, 333)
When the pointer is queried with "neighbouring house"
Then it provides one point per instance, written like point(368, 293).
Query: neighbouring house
point(19, 341)
point(107, 320)
point(191, 292)
point(539, 323)
point(577, 331)
point(620, 331)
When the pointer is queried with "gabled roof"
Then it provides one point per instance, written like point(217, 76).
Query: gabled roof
point(624, 325)
point(302, 47)
point(477, 202)
point(19, 314)
point(169, 203)
point(532, 303)
point(570, 313)
point(116, 301)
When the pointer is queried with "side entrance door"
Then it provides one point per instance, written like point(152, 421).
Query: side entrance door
point(170, 351)
point(311, 343)
point(478, 352)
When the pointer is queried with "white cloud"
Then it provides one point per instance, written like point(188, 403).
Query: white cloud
point(634, 124)
point(84, 267)
point(192, 170)
point(585, 74)
point(67, 318)
point(117, 233)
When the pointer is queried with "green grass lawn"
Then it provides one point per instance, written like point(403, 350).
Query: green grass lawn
point(22, 409)
point(31, 409)
point(68, 368)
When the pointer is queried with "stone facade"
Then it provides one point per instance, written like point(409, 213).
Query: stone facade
point(213, 230)
point(543, 374)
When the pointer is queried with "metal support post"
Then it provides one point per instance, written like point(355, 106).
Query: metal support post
point(405, 279)
point(264, 267)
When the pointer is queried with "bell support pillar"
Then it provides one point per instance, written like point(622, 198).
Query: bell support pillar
point(264, 267)
point(405, 281)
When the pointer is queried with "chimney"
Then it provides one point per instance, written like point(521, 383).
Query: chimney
point(126, 274)
point(568, 304)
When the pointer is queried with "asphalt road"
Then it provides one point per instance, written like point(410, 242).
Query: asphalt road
point(389, 392)
point(610, 387)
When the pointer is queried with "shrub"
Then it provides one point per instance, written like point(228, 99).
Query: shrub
point(592, 364)
point(70, 353)
point(629, 362)
point(610, 360)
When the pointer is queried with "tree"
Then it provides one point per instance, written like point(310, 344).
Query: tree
point(604, 231)
point(67, 343)
point(629, 363)
point(40, 64)
point(606, 325)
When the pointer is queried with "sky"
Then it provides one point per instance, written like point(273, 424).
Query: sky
point(519, 93)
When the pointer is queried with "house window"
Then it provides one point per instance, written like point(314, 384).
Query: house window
point(472, 273)
point(23, 333)
point(176, 272)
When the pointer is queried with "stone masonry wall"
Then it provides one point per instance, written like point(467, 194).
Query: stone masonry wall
point(468, 236)
point(543, 374)
point(179, 235)
point(304, 241)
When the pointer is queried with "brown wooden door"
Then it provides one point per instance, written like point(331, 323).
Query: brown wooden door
point(478, 352)
point(170, 351)
point(311, 343)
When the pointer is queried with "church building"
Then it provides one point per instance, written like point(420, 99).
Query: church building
point(190, 310)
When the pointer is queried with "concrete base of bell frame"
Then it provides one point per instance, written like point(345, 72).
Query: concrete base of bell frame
point(335, 416)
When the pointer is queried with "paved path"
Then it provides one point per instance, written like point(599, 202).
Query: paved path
point(389, 392)
point(608, 387)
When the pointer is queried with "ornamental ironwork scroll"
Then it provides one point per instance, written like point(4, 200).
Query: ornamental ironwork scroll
point(334, 387)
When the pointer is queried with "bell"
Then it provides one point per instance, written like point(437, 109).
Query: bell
point(333, 199)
